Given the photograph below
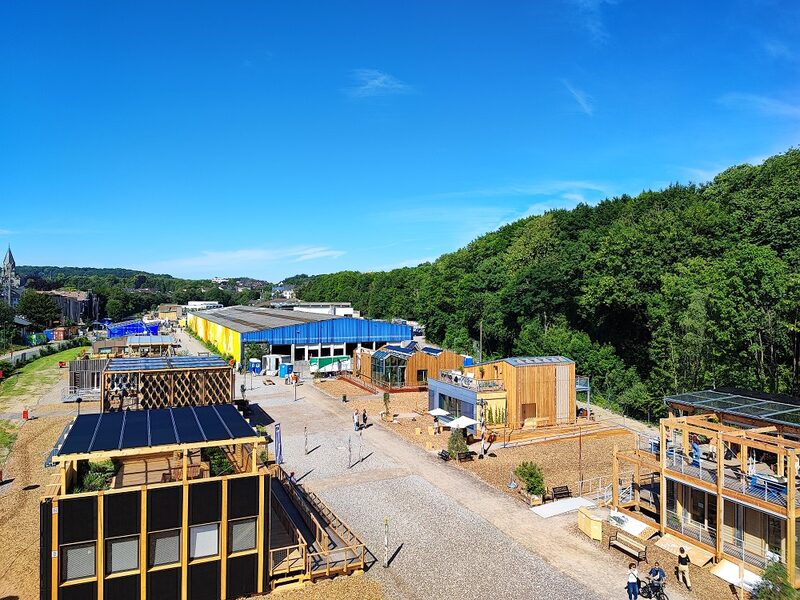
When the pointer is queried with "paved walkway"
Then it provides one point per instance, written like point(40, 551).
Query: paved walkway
point(454, 536)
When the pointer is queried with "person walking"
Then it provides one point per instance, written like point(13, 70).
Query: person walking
point(355, 420)
point(683, 567)
point(633, 582)
point(364, 418)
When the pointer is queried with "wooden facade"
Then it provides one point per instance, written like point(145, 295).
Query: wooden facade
point(540, 393)
point(166, 388)
point(418, 367)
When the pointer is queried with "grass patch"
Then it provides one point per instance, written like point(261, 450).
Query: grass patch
point(29, 379)
point(8, 433)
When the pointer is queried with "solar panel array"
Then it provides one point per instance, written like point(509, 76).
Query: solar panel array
point(781, 413)
point(124, 430)
point(521, 361)
point(164, 363)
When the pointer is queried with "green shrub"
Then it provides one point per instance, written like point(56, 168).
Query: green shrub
point(218, 462)
point(774, 584)
point(96, 476)
point(531, 475)
point(456, 443)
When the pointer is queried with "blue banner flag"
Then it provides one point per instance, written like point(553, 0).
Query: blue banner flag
point(278, 445)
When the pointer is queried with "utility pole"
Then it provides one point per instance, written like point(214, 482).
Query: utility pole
point(385, 542)
point(305, 439)
point(480, 342)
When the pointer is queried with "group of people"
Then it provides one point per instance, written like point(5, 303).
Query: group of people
point(359, 420)
point(656, 575)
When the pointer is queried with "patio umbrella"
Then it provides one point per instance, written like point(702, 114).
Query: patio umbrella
point(461, 423)
point(438, 412)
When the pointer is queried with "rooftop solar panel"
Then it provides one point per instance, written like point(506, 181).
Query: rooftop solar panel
point(738, 404)
point(176, 362)
point(156, 427)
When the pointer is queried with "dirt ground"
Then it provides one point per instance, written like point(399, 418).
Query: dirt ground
point(403, 403)
point(341, 588)
point(19, 506)
point(337, 387)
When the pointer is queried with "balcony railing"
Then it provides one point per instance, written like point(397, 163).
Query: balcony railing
point(704, 535)
point(471, 383)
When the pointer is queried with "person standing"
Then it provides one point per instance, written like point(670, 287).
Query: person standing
point(633, 582)
point(364, 418)
point(683, 567)
point(355, 420)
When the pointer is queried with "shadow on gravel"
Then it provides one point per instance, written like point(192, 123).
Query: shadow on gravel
point(307, 473)
point(258, 417)
point(33, 486)
point(393, 556)
point(314, 448)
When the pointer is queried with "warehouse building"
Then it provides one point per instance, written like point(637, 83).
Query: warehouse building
point(299, 335)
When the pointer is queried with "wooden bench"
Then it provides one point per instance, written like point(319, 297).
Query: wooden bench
point(444, 455)
point(560, 492)
point(462, 456)
point(628, 543)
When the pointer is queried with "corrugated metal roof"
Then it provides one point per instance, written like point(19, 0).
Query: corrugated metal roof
point(246, 319)
point(150, 340)
point(529, 361)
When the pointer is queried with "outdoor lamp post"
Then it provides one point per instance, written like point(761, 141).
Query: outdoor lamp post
point(482, 404)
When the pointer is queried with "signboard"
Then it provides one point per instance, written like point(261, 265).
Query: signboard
point(278, 445)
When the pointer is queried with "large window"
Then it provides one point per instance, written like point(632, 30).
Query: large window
point(451, 405)
point(241, 535)
point(204, 540)
point(165, 547)
point(122, 554)
point(77, 561)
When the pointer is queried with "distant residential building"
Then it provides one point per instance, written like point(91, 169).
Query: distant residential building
point(9, 280)
point(219, 280)
point(283, 291)
point(195, 305)
point(170, 312)
point(76, 306)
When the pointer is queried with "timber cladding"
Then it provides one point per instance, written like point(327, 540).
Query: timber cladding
point(167, 388)
point(419, 366)
point(136, 543)
point(545, 392)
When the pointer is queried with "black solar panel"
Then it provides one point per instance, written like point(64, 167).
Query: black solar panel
point(80, 436)
point(186, 424)
point(156, 427)
point(162, 430)
point(135, 433)
point(109, 433)
point(160, 364)
point(233, 420)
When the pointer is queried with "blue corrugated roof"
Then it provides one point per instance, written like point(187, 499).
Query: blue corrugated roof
point(111, 431)
point(331, 331)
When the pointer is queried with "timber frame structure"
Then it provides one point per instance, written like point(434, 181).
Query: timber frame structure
point(729, 490)
point(145, 383)
point(183, 533)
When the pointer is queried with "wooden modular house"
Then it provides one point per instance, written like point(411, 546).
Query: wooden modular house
point(403, 366)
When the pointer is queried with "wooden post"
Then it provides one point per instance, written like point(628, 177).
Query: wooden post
point(791, 516)
point(143, 544)
point(185, 465)
point(260, 532)
point(185, 543)
point(685, 438)
point(55, 552)
point(781, 461)
point(254, 459)
point(99, 552)
point(662, 480)
point(636, 486)
point(223, 541)
point(720, 499)
point(615, 479)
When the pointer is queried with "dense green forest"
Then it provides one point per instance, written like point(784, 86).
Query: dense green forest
point(124, 292)
point(689, 287)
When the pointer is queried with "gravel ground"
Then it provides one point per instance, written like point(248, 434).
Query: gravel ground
point(427, 526)
point(341, 588)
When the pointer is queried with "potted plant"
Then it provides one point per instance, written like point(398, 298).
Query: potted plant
point(532, 478)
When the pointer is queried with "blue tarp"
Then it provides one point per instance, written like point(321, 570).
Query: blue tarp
point(127, 328)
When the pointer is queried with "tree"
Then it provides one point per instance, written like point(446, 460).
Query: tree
point(531, 475)
point(39, 309)
point(774, 584)
point(456, 443)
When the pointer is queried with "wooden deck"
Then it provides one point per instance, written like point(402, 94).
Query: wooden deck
point(158, 468)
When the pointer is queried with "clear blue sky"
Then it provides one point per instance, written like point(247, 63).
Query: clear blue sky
point(270, 138)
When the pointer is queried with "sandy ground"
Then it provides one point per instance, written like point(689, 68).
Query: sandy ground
point(402, 404)
point(19, 507)
point(341, 588)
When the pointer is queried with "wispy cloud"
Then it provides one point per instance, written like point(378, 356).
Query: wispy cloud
point(544, 188)
point(210, 262)
point(591, 15)
point(372, 82)
point(779, 50)
point(583, 99)
point(762, 104)
point(7, 232)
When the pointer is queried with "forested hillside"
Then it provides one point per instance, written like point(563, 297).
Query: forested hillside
point(679, 289)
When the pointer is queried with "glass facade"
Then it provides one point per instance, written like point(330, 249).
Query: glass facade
point(388, 370)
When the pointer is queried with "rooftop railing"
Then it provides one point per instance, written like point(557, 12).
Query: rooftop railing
point(471, 383)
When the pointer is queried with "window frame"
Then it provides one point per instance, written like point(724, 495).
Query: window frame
point(107, 554)
point(191, 558)
point(231, 523)
point(151, 554)
point(62, 567)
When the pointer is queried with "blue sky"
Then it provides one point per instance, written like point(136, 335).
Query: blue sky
point(271, 138)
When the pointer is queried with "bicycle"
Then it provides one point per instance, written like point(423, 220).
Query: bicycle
point(654, 590)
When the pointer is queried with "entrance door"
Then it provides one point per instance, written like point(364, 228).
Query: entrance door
point(562, 394)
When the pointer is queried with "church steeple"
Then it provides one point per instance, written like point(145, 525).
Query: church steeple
point(9, 264)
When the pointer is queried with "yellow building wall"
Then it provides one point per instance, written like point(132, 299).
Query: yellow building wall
point(226, 340)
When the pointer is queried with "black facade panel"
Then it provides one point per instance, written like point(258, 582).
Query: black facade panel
point(164, 508)
point(267, 513)
point(205, 502)
point(122, 513)
point(242, 575)
point(164, 585)
point(122, 588)
point(77, 520)
point(45, 539)
point(242, 497)
point(83, 591)
point(204, 581)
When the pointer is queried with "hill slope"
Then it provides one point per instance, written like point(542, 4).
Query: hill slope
point(678, 289)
